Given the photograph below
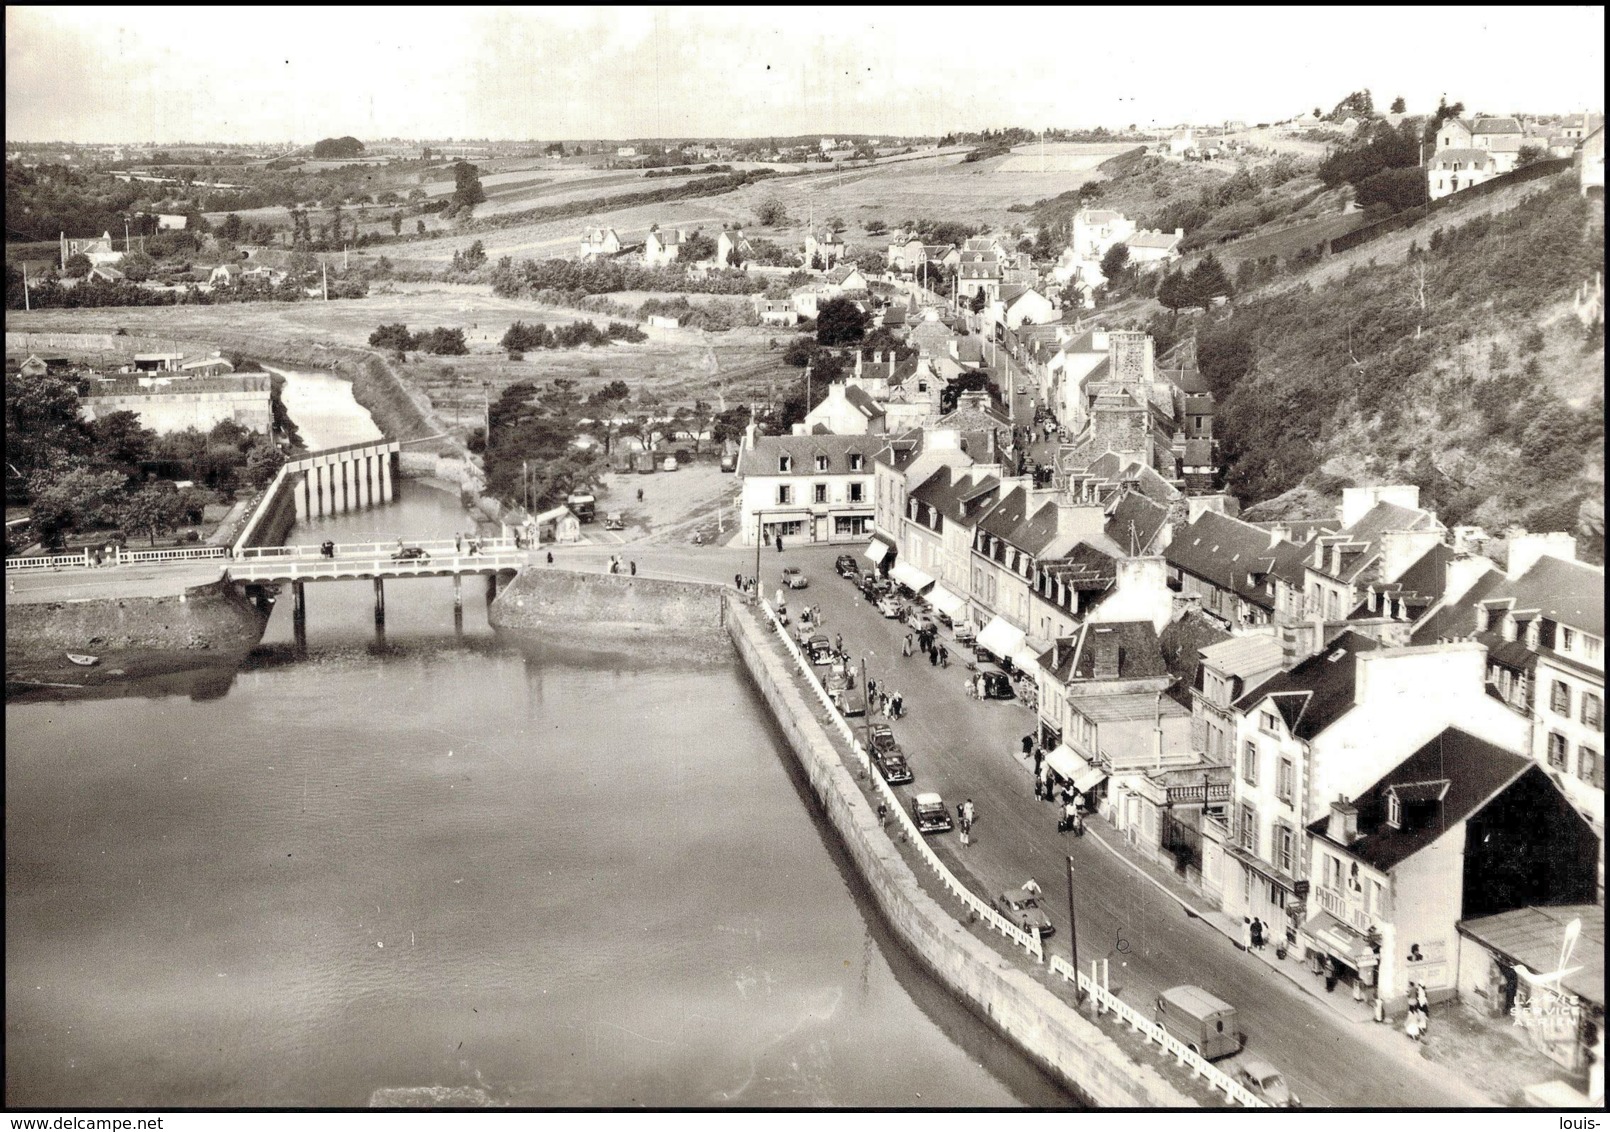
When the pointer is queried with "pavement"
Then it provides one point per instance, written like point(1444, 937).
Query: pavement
point(156, 579)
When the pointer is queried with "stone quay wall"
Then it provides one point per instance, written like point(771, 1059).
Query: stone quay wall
point(210, 617)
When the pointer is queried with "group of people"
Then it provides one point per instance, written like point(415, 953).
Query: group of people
point(975, 687)
point(1254, 934)
point(881, 701)
point(1071, 817)
point(460, 542)
point(1418, 1020)
point(966, 814)
point(927, 640)
point(615, 563)
point(745, 584)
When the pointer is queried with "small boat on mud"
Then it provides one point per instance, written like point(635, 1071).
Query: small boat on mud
point(84, 660)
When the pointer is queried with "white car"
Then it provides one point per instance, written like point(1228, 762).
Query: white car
point(889, 606)
point(794, 578)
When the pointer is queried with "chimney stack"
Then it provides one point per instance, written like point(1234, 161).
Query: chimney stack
point(1104, 654)
point(1343, 827)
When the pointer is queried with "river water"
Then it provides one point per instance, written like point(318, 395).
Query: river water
point(433, 864)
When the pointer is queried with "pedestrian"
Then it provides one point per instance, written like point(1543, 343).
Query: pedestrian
point(1045, 783)
point(1039, 760)
point(550, 558)
point(838, 641)
point(883, 704)
point(899, 704)
point(944, 657)
point(640, 495)
point(1030, 887)
point(1257, 934)
point(883, 813)
point(1028, 744)
point(967, 686)
point(458, 542)
point(933, 657)
point(779, 544)
point(634, 569)
point(1421, 1001)
point(780, 602)
point(1246, 934)
point(1331, 975)
point(738, 582)
point(905, 646)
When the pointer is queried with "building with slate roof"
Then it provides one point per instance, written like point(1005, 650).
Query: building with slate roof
point(1459, 828)
point(1226, 564)
point(1330, 726)
point(815, 488)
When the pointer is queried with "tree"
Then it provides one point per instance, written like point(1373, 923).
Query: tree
point(338, 147)
point(1114, 262)
point(836, 223)
point(150, 508)
point(1398, 105)
point(396, 222)
point(697, 248)
point(72, 498)
point(840, 322)
point(394, 336)
point(263, 461)
point(467, 190)
point(978, 303)
point(1171, 291)
point(1207, 282)
point(419, 227)
point(43, 427)
point(875, 227)
point(771, 213)
point(1530, 155)
point(1400, 189)
point(730, 424)
point(77, 266)
point(121, 441)
point(137, 266)
point(230, 230)
point(873, 263)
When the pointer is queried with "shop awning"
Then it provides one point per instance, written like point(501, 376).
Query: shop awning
point(946, 602)
point(1340, 941)
point(877, 550)
point(1089, 780)
point(1001, 637)
point(1026, 658)
point(1064, 762)
point(911, 577)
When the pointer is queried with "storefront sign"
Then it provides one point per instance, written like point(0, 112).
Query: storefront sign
point(1427, 964)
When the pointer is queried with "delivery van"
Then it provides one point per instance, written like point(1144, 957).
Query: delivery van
point(1202, 1023)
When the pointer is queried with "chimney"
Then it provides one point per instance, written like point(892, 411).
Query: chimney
point(891, 365)
point(1336, 558)
point(1104, 653)
point(1180, 232)
point(1343, 827)
point(1464, 571)
point(858, 362)
point(1077, 522)
point(1278, 532)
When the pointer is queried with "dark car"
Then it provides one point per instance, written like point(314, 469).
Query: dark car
point(820, 649)
point(930, 813)
point(881, 737)
point(998, 686)
point(410, 553)
point(1024, 911)
point(891, 763)
point(846, 567)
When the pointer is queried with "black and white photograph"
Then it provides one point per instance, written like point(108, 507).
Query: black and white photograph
point(919, 561)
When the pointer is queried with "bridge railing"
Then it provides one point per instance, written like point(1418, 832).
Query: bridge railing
point(1028, 941)
point(173, 554)
point(373, 549)
point(1107, 1002)
point(316, 569)
point(48, 561)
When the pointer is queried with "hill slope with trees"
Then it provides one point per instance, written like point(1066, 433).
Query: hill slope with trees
point(1464, 370)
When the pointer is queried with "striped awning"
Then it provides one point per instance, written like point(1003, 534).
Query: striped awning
point(946, 602)
point(911, 577)
point(877, 550)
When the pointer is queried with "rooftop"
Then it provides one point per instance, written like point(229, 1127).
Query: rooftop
point(1317, 692)
point(1532, 936)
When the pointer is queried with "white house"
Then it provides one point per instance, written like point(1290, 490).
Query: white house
point(847, 410)
point(1096, 230)
point(663, 247)
point(1450, 170)
point(732, 249)
point(815, 488)
point(599, 241)
point(1149, 247)
point(1019, 305)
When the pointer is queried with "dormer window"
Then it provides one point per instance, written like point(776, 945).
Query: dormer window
point(1510, 628)
point(1567, 639)
point(785, 463)
point(855, 461)
point(1394, 810)
point(821, 463)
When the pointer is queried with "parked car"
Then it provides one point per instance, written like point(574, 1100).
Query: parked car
point(998, 686)
point(890, 606)
point(820, 649)
point(1204, 1024)
point(846, 567)
point(882, 737)
point(919, 620)
point(1266, 1083)
point(794, 578)
point(891, 763)
point(930, 813)
point(614, 522)
point(965, 634)
point(1024, 911)
point(410, 553)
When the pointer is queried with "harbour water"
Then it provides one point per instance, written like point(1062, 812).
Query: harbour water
point(433, 864)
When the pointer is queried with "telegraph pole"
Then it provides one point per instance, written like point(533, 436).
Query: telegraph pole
point(1073, 937)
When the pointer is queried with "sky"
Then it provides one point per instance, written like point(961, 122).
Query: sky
point(262, 75)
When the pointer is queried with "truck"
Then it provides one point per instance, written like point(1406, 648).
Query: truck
point(643, 463)
point(582, 505)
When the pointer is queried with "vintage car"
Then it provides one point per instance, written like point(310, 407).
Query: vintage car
point(820, 649)
point(1266, 1083)
point(881, 737)
point(410, 554)
point(614, 522)
point(846, 567)
point(965, 634)
point(890, 606)
point(930, 814)
point(997, 686)
point(891, 763)
point(919, 620)
point(794, 578)
point(1023, 910)
point(874, 587)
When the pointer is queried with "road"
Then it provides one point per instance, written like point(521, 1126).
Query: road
point(963, 748)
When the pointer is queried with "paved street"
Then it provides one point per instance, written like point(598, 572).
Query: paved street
point(963, 748)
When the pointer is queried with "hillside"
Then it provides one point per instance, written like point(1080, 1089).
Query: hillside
point(1463, 370)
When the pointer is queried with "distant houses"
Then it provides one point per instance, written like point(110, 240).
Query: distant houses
point(600, 242)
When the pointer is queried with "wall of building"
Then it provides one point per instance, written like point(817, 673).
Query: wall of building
point(173, 412)
point(1067, 1045)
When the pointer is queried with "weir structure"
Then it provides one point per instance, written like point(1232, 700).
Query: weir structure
point(328, 482)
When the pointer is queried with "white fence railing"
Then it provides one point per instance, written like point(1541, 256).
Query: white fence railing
point(48, 561)
point(1028, 941)
point(371, 549)
point(173, 554)
point(345, 569)
point(1106, 1002)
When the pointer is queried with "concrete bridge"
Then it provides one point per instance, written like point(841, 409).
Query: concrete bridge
point(376, 561)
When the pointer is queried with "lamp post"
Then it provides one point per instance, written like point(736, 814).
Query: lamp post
point(1073, 937)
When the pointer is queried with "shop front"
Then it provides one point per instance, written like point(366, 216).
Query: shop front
point(913, 579)
point(1355, 960)
point(1264, 893)
point(951, 607)
point(1071, 768)
point(878, 552)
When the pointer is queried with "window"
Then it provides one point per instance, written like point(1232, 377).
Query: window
point(785, 493)
point(1593, 710)
point(821, 463)
point(855, 461)
point(857, 493)
point(1268, 723)
point(785, 463)
point(1567, 639)
point(819, 492)
point(1249, 829)
point(1377, 898)
point(1333, 872)
point(1560, 699)
point(1283, 780)
point(1557, 749)
point(1249, 764)
point(1589, 767)
point(1394, 810)
point(1285, 848)
point(1592, 647)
